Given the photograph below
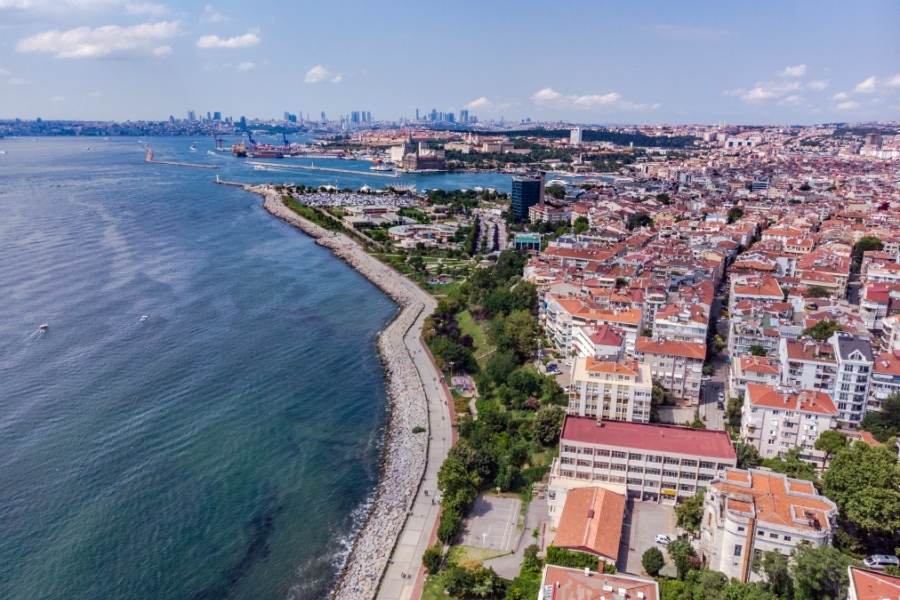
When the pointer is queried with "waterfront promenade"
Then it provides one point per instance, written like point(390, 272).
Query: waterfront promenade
point(403, 519)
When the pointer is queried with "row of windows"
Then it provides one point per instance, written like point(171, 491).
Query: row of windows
point(635, 456)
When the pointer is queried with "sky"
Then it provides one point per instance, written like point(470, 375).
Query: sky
point(760, 62)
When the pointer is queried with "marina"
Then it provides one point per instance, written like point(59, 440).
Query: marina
point(282, 166)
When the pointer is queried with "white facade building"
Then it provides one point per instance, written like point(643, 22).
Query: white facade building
point(610, 390)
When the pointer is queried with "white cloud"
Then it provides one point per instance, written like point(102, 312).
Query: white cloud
point(57, 98)
point(57, 7)
point(211, 15)
point(795, 71)
point(96, 93)
point(840, 96)
point(247, 65)
point(866, 86)
point(792, 100)
point(101, 42)
point(550, 97)
point(17, 81)
point(817, 85)
point(848, 105)
point(479, 103)
point(893, 81)
point(4, 73)
point(321, 74)
point(240, 41)
point(763, 91)
point(162, 51)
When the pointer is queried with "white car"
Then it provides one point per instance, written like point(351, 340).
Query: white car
point(880, 562)
point(662, 538)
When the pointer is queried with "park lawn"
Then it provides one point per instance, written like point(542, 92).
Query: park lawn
point(471, 556)
point(472, 328)
point(433, 589)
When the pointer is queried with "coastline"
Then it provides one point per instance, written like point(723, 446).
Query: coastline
point(405, 455)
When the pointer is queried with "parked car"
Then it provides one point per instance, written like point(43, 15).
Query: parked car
point(662, 538)
point(720, 405)
point(880, 562)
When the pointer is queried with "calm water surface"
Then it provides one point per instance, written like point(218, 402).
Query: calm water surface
point(203, 418)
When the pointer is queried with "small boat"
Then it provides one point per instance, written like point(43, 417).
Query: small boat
point(43, 327)
point(193, 148)
point(143, 318)
point(2, 151)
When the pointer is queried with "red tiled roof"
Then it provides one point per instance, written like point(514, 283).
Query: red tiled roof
point(591, 521)
point(869, 585)
point(695, 350)
point(563, 583)
point(643, 436)
point(810, 401)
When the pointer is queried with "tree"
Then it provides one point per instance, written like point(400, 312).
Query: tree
point(683, 555)
point(757, 350)
point(791, 465)
point(822, 330)
point(689, 513)
point(819, 573)
point(816, 291)
point(884, 424)
point(556, 191)
point(653, 561)
point(581, 225)
point(547, 424)
point(775, 567)
point(864, 482)
point(830, 442)
point(636, 220)
point(865, 244)
point(431, 558)
point(663, 198)
point(570, 558)
point(520, 332)
point(733, 412)
point(500, 366)
point(735, 213)
point(747, 455)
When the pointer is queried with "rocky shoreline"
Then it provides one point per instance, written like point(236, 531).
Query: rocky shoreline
point(405, 453)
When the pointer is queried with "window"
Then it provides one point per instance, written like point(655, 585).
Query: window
point(617, 454)
point(740, 529)
point(774, 536)
point(787, 538)
point(738, 549)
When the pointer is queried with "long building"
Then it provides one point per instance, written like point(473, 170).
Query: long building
point(648, 462)
point(675, 365)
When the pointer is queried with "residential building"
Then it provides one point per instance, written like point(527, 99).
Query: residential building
point(854, 369)
point(748, 512)
point(872, 585)
point(885, 379)
point(575, 136)
point(653, 462)
point(676, 366)
point(603, 389)
point(807, 364)
point(591, 522)
point(681, 322)
point(561, 315)
point(603, 342)
point(751, 369)
point(776, 419)
point(526, 192)
point(564, 583)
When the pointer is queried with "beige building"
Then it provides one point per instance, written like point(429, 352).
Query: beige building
point(652, 462)
point(748, 512)
point(603, 389)
point(677, 366)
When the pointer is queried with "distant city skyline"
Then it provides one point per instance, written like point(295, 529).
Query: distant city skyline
point(582, 62)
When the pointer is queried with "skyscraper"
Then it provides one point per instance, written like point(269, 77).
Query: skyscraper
point(575, 136)
point(217, 116)
point(464, 116)
point(526, 192)
point(192, 116)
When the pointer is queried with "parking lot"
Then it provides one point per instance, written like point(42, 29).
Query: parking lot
point(643, 521)
point(492, 523)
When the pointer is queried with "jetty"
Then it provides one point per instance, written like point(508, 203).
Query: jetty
point(275, 167)
point(149, 158)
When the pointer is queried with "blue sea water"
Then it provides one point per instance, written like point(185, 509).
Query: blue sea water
point(203, 418)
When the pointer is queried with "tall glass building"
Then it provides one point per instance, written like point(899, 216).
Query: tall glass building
point(526, 192)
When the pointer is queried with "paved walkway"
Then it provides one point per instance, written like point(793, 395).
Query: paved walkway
point(420, 529)
point(508, 566)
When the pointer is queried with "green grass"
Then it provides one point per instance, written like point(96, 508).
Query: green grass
point(470, 554)
point(433, 590)
point(472, 328)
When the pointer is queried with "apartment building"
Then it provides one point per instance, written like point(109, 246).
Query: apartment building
point(776, 419)
point(885, 379)
point(681, 322)
point(651, 462)
point(561, 315)
point(677, 366)
point(872, 585)
point(807, 364)
point(603, 343)
point(603, 389)
point(755, 288)
point(854, 370)
point(752, 369)
point(748, 512)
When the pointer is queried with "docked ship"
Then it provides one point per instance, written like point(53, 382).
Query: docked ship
point(381, 166)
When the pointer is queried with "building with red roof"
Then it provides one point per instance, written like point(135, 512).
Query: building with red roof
point(652, 462)
point(872, 585)
point(564, 583)
point(675, 365)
